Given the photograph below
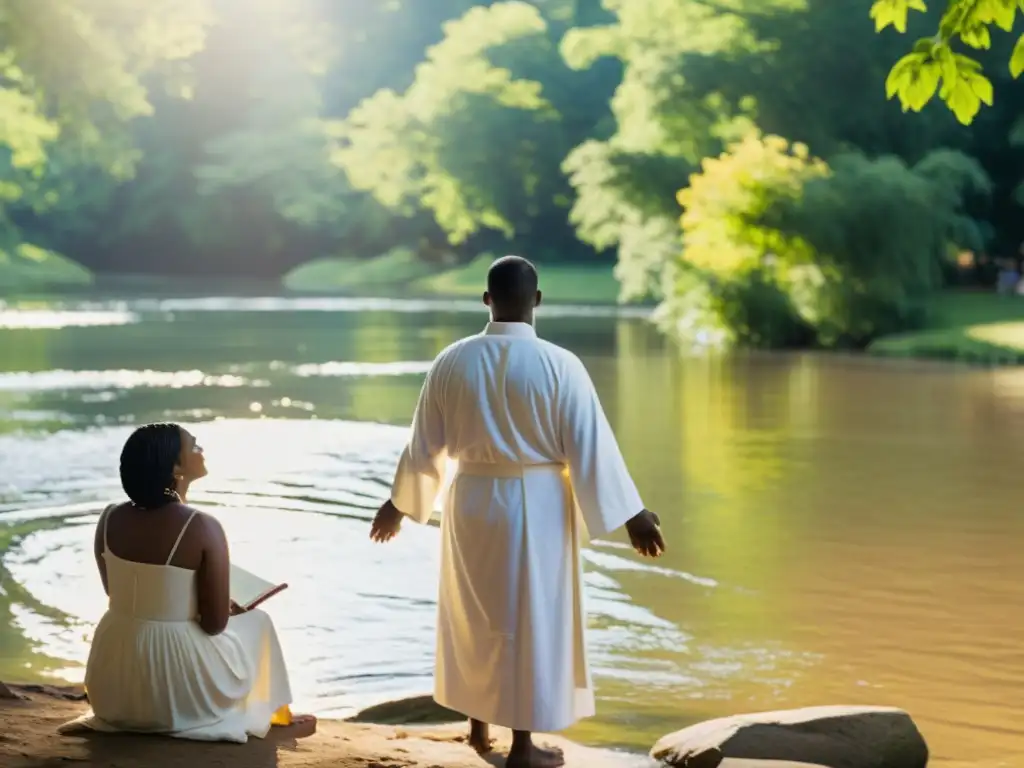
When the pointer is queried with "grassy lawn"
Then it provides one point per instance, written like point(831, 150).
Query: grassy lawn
point(399, 273)
point(392, 270)
point(968, 326)
point(27, 267)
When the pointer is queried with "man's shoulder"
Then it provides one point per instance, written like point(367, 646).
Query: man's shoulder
point(559, 355)
point(448, 355)
point(562, 359)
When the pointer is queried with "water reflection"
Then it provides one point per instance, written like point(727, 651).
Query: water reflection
point(841, 530)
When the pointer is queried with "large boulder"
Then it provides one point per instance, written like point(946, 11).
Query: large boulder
point(832, 737)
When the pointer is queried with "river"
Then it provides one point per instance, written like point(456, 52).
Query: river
point(841, 530)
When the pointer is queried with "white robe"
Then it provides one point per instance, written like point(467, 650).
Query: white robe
point(536, 455)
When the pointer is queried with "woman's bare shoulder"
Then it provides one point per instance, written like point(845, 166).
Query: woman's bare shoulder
point(110, 511)
point(204, 522)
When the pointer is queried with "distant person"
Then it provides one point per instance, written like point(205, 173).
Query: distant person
point(535, 450)
point(1009, 278)
point(172, 655)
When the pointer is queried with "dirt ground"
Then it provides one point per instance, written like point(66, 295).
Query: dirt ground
point(29, 739)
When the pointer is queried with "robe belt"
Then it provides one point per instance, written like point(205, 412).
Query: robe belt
point(507, 469)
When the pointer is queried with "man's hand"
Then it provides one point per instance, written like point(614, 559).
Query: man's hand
point(644, 532)
point(386, 524)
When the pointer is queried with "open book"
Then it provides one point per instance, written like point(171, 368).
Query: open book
point(249, 590)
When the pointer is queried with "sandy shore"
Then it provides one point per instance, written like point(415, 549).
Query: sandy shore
point(28, 739)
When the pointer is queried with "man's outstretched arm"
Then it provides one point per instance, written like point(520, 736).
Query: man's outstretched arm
point(605, 491)
point(420, 471)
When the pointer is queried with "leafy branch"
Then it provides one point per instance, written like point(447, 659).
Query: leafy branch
point(934, 66)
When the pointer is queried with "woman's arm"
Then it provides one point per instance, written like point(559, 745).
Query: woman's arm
point(98, 545)
point(213, 579)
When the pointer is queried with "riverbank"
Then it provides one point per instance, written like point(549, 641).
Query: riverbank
point(966, 326)
point(971, 327)
point(28, 739)
point(27, 267)
point(401, 273)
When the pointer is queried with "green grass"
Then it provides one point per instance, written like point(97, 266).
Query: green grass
point(394, 269)
point(970, 327)
point(29, 267)
point(400, 273)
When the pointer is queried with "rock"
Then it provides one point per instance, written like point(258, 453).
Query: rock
point(414, 710)
point(7, 693)
point(831, 737)
point(70, 693)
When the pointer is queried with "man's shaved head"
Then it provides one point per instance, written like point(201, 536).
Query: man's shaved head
point(512, 289)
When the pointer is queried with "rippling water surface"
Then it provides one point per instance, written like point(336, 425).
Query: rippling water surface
point(841, 530)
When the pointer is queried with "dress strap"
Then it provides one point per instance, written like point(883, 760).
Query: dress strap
point(180, 536)
point(106, 524)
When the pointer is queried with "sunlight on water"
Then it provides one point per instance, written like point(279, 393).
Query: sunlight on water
point(347, 304)
point(11, 319)
point(364, 369)
point(65, 380)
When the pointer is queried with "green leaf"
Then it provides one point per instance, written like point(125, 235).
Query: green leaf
point(926, 46)
point(901, 73)
point(1017, 58)
point(923, 83)
point(977, 36)
point(1004, 13)
point(947, 59)
point(982, 88)
point(964, 102)
point(917, 5)
point(890, 12)
point(966, 63)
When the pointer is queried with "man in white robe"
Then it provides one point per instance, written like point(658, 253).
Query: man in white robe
point(536, 459)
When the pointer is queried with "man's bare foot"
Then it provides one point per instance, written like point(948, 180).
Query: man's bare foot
point(480, 737)
point(535, 757)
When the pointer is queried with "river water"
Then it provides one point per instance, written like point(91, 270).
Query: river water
point(841, 530)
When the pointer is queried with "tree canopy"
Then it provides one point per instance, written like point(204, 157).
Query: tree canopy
point(247, 137)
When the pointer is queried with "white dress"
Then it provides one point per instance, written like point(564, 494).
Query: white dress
point(537, 465)
point(152, 669)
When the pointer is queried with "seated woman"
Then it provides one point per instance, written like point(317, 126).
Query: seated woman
point(172, 654)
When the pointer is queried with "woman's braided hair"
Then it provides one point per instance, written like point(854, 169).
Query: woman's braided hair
point(147, 465)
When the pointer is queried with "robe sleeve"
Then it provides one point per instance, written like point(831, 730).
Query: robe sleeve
point(420, 470)
point(605, 493)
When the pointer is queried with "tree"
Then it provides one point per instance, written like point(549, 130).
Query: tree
point(781, 249)
point(75, 79)
point(478, 137)
point(934, 65)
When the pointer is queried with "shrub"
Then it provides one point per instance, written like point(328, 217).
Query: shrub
point(784, 249)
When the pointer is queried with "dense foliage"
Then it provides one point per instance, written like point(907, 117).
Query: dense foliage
point(781, 249)
point(250, 136)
